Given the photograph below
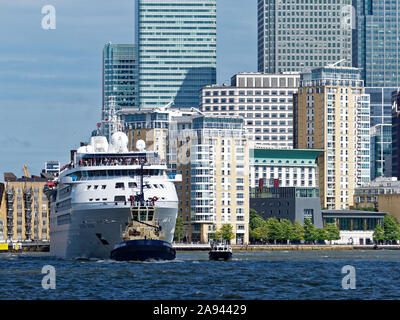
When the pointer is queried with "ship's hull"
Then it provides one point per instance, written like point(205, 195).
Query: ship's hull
point(141, 250)
point(94, 230)
point(220, 255)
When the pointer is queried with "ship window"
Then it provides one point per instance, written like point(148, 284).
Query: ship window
point(162, 186)
point(103, 186)
point(95, 187)
point(155, 186)
point(119, 185)
point(90, 199)
point(110, 173)
point(98, 199)
point(117, 172)
point(150, 215)
point(119, 199)
point(104, 199)
point(88, 187)
point(148, 186)
point(142, 214)
point(135, 216)
point(132, 184)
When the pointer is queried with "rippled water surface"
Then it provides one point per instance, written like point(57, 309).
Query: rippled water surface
point(250, 275)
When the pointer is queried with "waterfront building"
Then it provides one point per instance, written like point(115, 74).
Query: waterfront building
point(265, 101)
point(375, 43)
point(332, 113)
point(292, 203)
point(355, 226)
point(390, 203)
point(298, 34)
point(177, 50)
point(284, 168)
point(211, 153)
point(366, 196)
point(24, 209)
point(120, 79)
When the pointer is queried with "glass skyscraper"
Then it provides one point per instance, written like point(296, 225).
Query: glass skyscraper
point(381, 137)
point(177, 50)
point(294, 35)
point(119, 79)
point(381, 151)
point(381, 104)
point(376, 45)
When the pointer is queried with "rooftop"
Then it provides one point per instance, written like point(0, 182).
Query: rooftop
point(282, 156)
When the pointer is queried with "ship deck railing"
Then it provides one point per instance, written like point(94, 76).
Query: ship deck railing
point(117, 162)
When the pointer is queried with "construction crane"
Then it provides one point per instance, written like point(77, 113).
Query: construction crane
point(336, 63)
point(26, 172)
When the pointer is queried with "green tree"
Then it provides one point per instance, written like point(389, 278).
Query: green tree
point(179, 230)
point(298, 231)
point(260, 233)
point(379, 234)
point(226, 232)
point(391, 229)
point(253, 213)
point(288, 231)
point(322, 234)
point(257, 222)
point(310, 233)
point(332, 232)
point(275, 230)
point(257, 226)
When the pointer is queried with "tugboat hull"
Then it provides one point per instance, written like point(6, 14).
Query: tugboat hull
point(141, 250)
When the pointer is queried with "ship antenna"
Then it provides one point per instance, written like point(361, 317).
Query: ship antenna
point(141, 184)
point(112, 120)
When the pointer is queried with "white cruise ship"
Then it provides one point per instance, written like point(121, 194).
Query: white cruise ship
point(93, 198)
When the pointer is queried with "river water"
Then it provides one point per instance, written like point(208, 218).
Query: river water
point(250, 275)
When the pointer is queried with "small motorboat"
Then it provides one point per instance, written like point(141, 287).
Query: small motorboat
point(220, 252)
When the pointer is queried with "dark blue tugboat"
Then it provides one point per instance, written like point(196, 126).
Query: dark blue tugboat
point(141, 250)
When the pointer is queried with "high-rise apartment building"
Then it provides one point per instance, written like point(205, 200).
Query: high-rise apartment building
point(176, 50)
point(265, 101)
point(375, 42)
point(332, 113)
point(120, 84)
point(211, 153)
point(294, 35)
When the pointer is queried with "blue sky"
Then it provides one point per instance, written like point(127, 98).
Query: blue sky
point(50, 80)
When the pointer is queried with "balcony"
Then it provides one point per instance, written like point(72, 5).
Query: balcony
point(203, 218)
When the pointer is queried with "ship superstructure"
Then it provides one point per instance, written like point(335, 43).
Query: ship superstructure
point(92, 199)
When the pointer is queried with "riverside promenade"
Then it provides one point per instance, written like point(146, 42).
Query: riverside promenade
point(284, 247)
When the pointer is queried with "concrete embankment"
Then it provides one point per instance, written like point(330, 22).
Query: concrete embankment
point(25, 247)
point(279, 247)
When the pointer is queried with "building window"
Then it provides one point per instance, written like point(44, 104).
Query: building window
point(309, 214)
